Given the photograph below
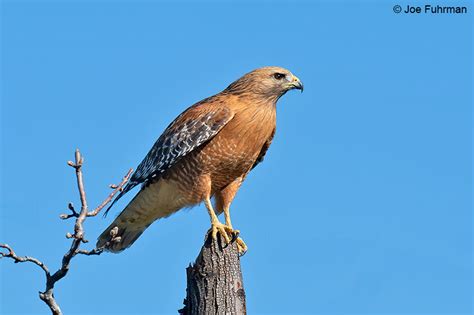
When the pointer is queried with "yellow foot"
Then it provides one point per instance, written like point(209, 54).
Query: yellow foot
point(241, 246)
point(229, 235)
point(225, 231)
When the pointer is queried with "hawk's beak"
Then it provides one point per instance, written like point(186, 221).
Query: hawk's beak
point(296, 84)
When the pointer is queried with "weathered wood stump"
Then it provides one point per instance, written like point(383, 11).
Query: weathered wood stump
point(214, 282)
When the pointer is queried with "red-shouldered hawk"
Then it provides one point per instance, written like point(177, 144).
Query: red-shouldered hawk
point(206, 152)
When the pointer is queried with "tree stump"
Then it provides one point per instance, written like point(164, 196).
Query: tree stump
point(214, 282)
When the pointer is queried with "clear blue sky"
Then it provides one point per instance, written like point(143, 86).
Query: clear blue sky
point(362, 206)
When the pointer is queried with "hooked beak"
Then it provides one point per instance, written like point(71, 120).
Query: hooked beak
point(296, 84)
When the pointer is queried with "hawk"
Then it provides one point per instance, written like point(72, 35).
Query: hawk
point(206, 152)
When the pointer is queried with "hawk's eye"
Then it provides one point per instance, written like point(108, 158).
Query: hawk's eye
point(278, 76)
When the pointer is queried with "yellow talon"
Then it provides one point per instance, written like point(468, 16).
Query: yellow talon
point(222, 229)
point(241, 246)
point(229, 235)
point(226, 230)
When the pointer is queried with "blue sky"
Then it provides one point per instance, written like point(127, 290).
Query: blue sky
point(362, 206)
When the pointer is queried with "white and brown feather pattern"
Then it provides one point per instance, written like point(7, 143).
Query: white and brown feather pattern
point(183, 135)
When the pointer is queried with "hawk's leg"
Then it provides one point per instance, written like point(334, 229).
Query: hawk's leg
point(223, 200)
point(216, 225)
point(240, 243)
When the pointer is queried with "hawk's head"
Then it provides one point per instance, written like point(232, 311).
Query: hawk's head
point(271, 82)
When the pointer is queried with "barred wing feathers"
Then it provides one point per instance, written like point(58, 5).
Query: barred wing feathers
point(194, 127)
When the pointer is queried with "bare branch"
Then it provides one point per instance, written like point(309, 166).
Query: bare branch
point(116, 189)
point(11, 254)
point(77, 238)
point(73, 214)
point(78, 229)
point(95, 251)
point(110, 197)
point(46, 296)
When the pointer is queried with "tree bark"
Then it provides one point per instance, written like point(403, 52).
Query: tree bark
point(214, 282)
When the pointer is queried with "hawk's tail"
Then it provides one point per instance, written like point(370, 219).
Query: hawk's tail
point(121, 234)
point(150, 204)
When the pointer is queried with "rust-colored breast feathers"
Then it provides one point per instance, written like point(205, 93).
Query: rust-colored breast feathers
point(231, 153)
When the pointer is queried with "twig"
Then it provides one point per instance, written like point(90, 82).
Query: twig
point(95, 251)
point(11, 254)
point(73, 214)
point(116, 189)
point(93, 213)
point(78, 237)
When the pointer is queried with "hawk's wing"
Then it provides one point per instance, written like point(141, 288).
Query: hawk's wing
point(195, 126)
